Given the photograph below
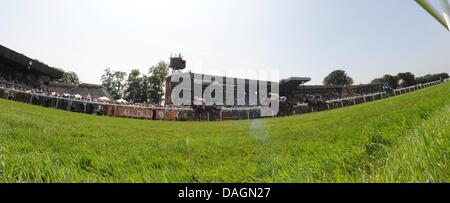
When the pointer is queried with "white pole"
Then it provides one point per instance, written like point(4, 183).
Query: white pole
point(435, 13)
point(446, 12)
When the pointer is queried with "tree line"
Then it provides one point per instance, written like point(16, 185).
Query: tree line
point(136, 86)
point(409, 79)
point(140, 87)
point(340, 77)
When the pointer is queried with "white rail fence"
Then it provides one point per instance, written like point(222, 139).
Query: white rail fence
point(339, 103)
point(186, 113)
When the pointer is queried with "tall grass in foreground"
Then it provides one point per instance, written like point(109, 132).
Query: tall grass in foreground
point(400, 139)
point(422, 155)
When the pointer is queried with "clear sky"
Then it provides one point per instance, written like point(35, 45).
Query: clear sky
point(367, 38)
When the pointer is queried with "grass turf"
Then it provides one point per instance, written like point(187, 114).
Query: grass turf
point(400, 139)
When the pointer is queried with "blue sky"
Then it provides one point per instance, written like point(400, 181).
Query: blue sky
point(367, 38)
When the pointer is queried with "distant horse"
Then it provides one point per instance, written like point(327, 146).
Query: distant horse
point(286, 108)
point(204, 110)
point(389, 90)
point(315, 104)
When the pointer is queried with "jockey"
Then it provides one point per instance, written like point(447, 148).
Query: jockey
point(200, 103)
point(386, 86)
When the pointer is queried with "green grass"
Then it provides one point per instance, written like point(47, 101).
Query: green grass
point(400, 139)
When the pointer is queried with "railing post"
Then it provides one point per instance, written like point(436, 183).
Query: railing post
point(69, 105)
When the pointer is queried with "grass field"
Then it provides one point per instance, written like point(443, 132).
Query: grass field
point(400, 139)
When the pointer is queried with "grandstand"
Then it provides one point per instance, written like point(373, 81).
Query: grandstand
point(230, 86)
point(18, 68)
point(330, 92)
point(293, 88)
point(41, 84)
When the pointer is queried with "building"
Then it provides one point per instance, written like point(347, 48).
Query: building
point(230, 87)
point(18, 68)
point(293, 88)
point(329, 92)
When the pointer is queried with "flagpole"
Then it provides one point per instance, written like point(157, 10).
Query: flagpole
point(431, 10)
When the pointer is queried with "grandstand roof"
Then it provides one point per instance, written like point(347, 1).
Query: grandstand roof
point(21, 62)
point(294, 81)
point(340, 86)
point(95, 91)
point(91, 89)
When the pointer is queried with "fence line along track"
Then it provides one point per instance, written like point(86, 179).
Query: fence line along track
point(339, 103)
point(180, 113)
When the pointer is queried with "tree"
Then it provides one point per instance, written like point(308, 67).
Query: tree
point(443, 76)
point(431, 78)
point(389, 79)
point(119, 83)
point(408, 78)
point(338, 77)
point(134, 91)
point(107, 81)
point(145, 88)
point(427, 78)
point(70, 78)
point(114, 82)
point(155, 81)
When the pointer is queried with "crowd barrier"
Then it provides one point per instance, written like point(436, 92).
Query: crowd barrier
point(126, 111)
point(186, 114)
point(91, 107)
point(339, 103)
